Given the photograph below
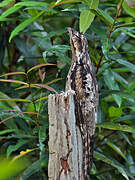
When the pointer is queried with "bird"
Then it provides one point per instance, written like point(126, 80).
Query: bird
point(81, 79)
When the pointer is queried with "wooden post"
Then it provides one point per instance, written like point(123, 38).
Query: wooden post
point(65, 144)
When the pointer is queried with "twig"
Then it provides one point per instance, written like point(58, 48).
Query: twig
point(110, 31)
point(99, 63)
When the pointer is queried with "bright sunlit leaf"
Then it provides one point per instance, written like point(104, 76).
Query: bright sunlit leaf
point(13, 81)
point(12, 73)
point(39, 66)
point(87, 17)
point(16, 100)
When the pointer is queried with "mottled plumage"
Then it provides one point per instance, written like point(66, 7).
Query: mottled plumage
point(81, 78)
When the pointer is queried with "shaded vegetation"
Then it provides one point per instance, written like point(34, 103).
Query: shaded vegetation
point(35, 56)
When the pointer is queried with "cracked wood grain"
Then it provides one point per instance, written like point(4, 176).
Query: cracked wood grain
point(63, 146)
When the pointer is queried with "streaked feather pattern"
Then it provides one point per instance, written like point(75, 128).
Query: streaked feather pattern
point(81, 78)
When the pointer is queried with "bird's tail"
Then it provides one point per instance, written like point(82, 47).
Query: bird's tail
point(88, 142)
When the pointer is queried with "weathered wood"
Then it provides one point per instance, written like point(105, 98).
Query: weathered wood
point(65, 144)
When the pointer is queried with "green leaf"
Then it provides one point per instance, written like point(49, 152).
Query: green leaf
point(12, 148)
point(53, 34)
point(125, 137)
point(42, 133)
point(63, 57)
point(20, 136)
point(13, 81)
point(8, 12)
point(105, 47)
point(112, 84)
point(129, 7)
point(60, 51)
point(17, 6)
point(128, 33)
point(131, 163)
point(42, 137)
point(127, 64)
point(5, 2)
point(23, 124)
point(26, 86)
point(41, 99)
point(132, 108)
point(115, 112)
point(33, 168)
point(10, 117)
point(31, 107)
point(117, 149)
point(126, 118)
point(106, 18)
point(131, 86)
point(10, 169)
point(10, 104)
point(120, 78)
point(31, 3)
point(116, 127)
point(62, 48)
point(87, 17)
point(122, 69)
point(7, 131)
point(53, 81)
point(128, 96)
point(58, 2)
point(125, 25)
point(111, 162)
point(9, 19)
point(23, 25)
point(16, 100)
point(13, 73)
point(39, 66)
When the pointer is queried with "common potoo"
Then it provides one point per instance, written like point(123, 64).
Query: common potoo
point(81, 78)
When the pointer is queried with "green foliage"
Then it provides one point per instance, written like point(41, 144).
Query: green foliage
point(129, 7)
point(10, 169)
point(88, 16)
point(35, 56)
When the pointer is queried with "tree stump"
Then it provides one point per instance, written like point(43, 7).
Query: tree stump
point(65, 144)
